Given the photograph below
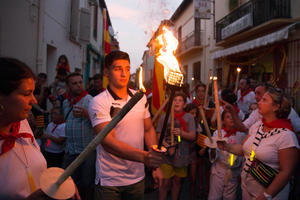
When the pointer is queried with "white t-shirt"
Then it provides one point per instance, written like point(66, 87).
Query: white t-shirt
point(13, 175)
point(247, 101)
point(57, 132)
point(267, 150)
point(110, 169)
point(255, 116)
point(217, 167)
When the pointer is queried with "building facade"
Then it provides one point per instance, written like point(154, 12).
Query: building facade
point(261, 37)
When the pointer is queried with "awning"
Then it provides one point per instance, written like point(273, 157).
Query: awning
point(258, 42)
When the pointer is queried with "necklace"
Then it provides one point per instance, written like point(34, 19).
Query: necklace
point(29, 174)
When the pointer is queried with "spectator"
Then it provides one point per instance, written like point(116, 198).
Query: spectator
point(79, 133)
point(54, 147)
point(270, 145)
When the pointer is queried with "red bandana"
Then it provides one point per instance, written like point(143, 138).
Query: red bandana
point(279, 123)
point(229, 131)
point(63, 66)
point(197, 102)
point(181, 120)
point(244, 94)
point(9, 140)
point(56, 125)
point(77, 99)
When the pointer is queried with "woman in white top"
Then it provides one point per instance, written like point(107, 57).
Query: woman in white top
point(21, 162)
point(271, 141)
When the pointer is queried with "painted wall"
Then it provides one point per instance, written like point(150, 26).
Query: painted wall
point(18, 30)
point(57, 34)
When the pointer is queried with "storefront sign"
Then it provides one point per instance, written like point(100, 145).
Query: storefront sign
point(202, 9)
point(237, 26)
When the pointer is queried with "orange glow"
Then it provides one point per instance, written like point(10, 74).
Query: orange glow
point(166, 56)
point(141, 86)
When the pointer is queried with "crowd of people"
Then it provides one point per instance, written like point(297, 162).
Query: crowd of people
point(50, 125)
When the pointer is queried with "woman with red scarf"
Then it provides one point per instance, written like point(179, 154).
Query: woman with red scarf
point(271, 150)
point(21, 162)
point(226, 167)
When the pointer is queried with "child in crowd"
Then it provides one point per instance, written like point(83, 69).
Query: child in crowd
point(252, 107)
point(179, 157)
point(63, 63)
point(196, 161)
point(54, 145)
point(226, 167)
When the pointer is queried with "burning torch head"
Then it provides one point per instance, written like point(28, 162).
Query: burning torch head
point(175, 79)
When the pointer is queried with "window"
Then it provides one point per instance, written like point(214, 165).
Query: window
point(197, 71)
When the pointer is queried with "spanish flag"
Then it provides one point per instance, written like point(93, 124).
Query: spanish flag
point(158, 83)
point(106, 42)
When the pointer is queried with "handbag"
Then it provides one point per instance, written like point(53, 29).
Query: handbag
point(263, 173)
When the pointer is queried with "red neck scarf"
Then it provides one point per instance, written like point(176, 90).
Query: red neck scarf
point(197, 102)
point(244, 94)
point(9, 140)
point(181, 120)
point(229, 131)
point(77, 99)
point(279, 123)
point(54, 128)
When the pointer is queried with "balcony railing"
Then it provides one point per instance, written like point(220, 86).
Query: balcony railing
point(190, 41)
point(260, 12)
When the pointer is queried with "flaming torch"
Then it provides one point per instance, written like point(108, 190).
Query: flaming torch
point(172, 73)
point(57, 183)
point(238, 70)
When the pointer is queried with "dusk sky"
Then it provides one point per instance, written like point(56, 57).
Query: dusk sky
point(134, 22)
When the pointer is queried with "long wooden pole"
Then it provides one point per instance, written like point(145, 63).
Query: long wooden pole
point(206, 89)
point(94, 143)
point(172, 124)
point(208, 133)
point(160, 109)
point(217, 103)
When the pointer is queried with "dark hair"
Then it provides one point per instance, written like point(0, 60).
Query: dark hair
point(278, 97)
point(72, 75)
point(190, 107)
point(115, 55)
point(97, 77)
point(42, 75)
point(265, 85)
point(224, 113)
point(228, 96)
point(12, 72)
point(63, 56)
point(200, 85)
point(180, 94)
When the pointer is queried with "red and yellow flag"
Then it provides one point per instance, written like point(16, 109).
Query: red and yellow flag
point(106, 43)
point(158, 87)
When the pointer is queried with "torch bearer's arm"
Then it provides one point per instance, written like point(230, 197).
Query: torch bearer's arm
point(125, 151)
point(150, 134)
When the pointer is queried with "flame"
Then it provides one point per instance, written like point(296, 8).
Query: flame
point(238, 69)
point(141, 86)
point(166, 56)
point(215, 78)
